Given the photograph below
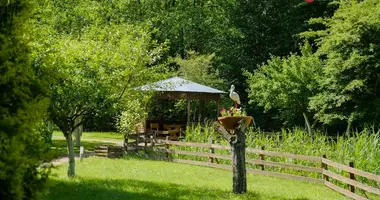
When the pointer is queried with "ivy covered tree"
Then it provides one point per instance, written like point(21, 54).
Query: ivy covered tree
point(287, 84)
point(350, 45)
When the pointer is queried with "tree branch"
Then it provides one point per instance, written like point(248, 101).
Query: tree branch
point(125, 87)
point(220, 129)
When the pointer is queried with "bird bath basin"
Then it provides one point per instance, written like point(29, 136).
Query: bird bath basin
point(231, 122)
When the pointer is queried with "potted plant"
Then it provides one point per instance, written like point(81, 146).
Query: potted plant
point(230, 118)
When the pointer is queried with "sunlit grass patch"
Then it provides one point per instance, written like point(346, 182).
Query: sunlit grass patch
point(94, 135)
point(133, 178)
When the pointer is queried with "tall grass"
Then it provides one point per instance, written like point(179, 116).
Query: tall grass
point(363, 148)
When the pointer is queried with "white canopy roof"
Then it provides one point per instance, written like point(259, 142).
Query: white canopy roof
point(177, 84)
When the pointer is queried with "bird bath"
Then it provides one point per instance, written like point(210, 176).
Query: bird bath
point(233, 129)
point(231, 122)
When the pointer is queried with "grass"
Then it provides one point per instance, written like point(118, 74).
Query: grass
point(94, 135)
point(59, 148)
point(135, 178)
point(89, 140)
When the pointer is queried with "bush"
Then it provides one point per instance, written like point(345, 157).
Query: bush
point(23, 102)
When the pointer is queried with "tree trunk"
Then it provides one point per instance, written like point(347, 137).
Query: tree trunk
point(50, 126)
point(349, 124)
point(238, 160)
point(188, 112)
point(307, 124)
point(77, 137)
point(201, 109)
point(181, 34)
point(237, 142)
point(70, 149)
point(78, 133)
point(314, 124)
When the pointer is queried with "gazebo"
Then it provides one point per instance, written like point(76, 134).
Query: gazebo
point(177, 88)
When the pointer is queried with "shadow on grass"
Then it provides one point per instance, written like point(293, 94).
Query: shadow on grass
point(59, 148)
point(88, 145)
point(98, 189)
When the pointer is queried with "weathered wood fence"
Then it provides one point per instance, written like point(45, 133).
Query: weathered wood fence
point(164, 146)
point(109, 151)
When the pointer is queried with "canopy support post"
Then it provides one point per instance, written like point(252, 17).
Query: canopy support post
point(188, 111)
point(217, 109)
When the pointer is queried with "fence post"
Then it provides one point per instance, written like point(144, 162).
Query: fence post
point(81, 152)
point(324, 166)
point(352, 176)
point(125, 144)
point(167, 147)
point(210, 141)
point(262, 157)
point(151, 141)
point(145, 140)
point(137, 143)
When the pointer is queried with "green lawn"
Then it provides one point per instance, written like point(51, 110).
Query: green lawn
point(59, 148)
point(134, 178)
point(94, 135)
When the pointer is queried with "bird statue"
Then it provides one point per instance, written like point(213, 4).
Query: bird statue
point(234, 96)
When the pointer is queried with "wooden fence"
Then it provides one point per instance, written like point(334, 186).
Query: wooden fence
point(163, 146)
point(109, 151)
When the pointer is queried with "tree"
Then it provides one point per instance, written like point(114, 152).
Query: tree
point(96, 75)
point(242, 34)
point(23, 103)
point(199, 68)
point(96, 62)
point(350, 45)
point(266, 28)
point(287, 84)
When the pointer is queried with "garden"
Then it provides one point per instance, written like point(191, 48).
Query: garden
point(190, 99)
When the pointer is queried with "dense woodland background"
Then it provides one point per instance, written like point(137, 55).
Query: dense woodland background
point(314, 65)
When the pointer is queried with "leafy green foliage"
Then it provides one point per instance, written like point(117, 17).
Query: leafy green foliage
point(96, 64)
point(22, 106)
point(267, 28)
point(351, 47)
point(96, 74)
point(198, 68)
point(286, 84)
point(134, 113)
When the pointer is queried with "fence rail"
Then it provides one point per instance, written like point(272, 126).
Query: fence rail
point(163, 146)
point(352, 170)
point(284, 165)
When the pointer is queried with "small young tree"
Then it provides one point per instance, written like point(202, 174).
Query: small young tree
point(287, 84)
